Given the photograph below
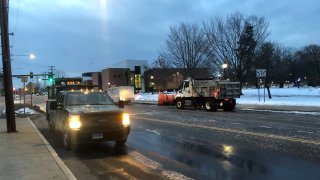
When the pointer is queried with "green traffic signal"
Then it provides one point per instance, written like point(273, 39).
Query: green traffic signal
point(50, 77)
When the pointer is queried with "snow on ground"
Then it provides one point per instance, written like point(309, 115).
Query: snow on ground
point(28, 111)
point(146, 97)
point(293, 96)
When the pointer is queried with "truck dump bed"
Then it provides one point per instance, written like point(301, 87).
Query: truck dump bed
point(229, 89)
point(219, 89)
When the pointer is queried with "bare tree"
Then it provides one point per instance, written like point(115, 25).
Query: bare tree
point(308, 64)
point(224, 36)
point(160, 62)
point(186, 48)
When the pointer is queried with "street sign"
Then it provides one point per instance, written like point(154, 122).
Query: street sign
point(261, 72)
point(24, 79)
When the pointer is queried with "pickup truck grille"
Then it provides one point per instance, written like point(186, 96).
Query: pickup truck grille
point(101, 122)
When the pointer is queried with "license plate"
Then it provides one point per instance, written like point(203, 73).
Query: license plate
point(97, 136)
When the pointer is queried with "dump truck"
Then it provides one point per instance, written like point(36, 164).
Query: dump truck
point(208, 93)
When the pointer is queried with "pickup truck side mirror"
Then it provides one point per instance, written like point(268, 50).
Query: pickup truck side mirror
point(121, 104)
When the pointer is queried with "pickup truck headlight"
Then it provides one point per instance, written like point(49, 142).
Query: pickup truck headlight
point(74, 121)
point(125, 119)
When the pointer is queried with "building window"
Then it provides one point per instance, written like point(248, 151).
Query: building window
point(137, 78)
point(132, 79)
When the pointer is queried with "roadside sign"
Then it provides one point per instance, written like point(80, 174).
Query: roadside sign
point(261, 72)
point(24, 79)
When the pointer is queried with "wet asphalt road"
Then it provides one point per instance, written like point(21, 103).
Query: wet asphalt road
point(170, 143)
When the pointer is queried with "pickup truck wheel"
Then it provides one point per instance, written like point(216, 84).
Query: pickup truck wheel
point(121, 142)
point(179, 103)
point(209, 105)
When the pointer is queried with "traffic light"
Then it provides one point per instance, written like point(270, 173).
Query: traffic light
point(31, 74)
point(50, 76)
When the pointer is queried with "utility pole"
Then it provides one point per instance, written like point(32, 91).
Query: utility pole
point(51, 69)
point(6, 62)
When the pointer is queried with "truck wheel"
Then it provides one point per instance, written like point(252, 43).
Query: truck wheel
point(66, 138)
point(179, 103)
point(121, 142)
point(209, 105)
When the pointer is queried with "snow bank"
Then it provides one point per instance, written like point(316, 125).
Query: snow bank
point(28, 111)
point(292, 91)
point(146, 97)
point(293, 96)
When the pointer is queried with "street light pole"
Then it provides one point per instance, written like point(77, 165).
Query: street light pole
point(224, 67)
point(6, 62)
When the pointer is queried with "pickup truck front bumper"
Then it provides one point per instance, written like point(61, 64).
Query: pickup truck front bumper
point(84, 137)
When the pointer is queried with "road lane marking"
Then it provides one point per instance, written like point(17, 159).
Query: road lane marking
point(145, 161)
point(157, 166)
point(292, 139)
point(153, 131)
point(141, 113)
point(174, 175)
point(267, 127)
point(281, 111)
point(309, 132)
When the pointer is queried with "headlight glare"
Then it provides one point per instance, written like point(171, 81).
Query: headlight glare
point(125, 119)
point(74, 121)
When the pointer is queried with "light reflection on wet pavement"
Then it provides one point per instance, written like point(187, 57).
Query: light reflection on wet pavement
point(213, 160)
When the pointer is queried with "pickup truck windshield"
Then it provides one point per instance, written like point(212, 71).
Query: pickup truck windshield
point(91, 98)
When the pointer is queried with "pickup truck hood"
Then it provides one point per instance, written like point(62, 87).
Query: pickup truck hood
point(92, 109)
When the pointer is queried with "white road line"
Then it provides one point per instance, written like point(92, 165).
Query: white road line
point(281, 111)
point(264, 135)
point(145, 161)
point(139, 113)
point(174, 175)
point(236, 123)
point(309, 132)
point(153, 131)
point(267, 127)
point(53, 153)
point(157, 166)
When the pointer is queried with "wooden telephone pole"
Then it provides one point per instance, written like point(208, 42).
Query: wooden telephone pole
point(6, 62)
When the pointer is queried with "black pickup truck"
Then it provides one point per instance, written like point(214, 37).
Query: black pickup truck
point(87, 117)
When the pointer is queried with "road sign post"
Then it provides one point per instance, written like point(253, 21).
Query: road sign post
point(261, 73)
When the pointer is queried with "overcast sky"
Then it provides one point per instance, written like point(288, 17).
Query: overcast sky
point(89, 35)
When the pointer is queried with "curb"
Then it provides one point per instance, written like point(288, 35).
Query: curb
point(67, 172)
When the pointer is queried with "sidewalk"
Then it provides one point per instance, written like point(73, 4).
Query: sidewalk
point(25, 155)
